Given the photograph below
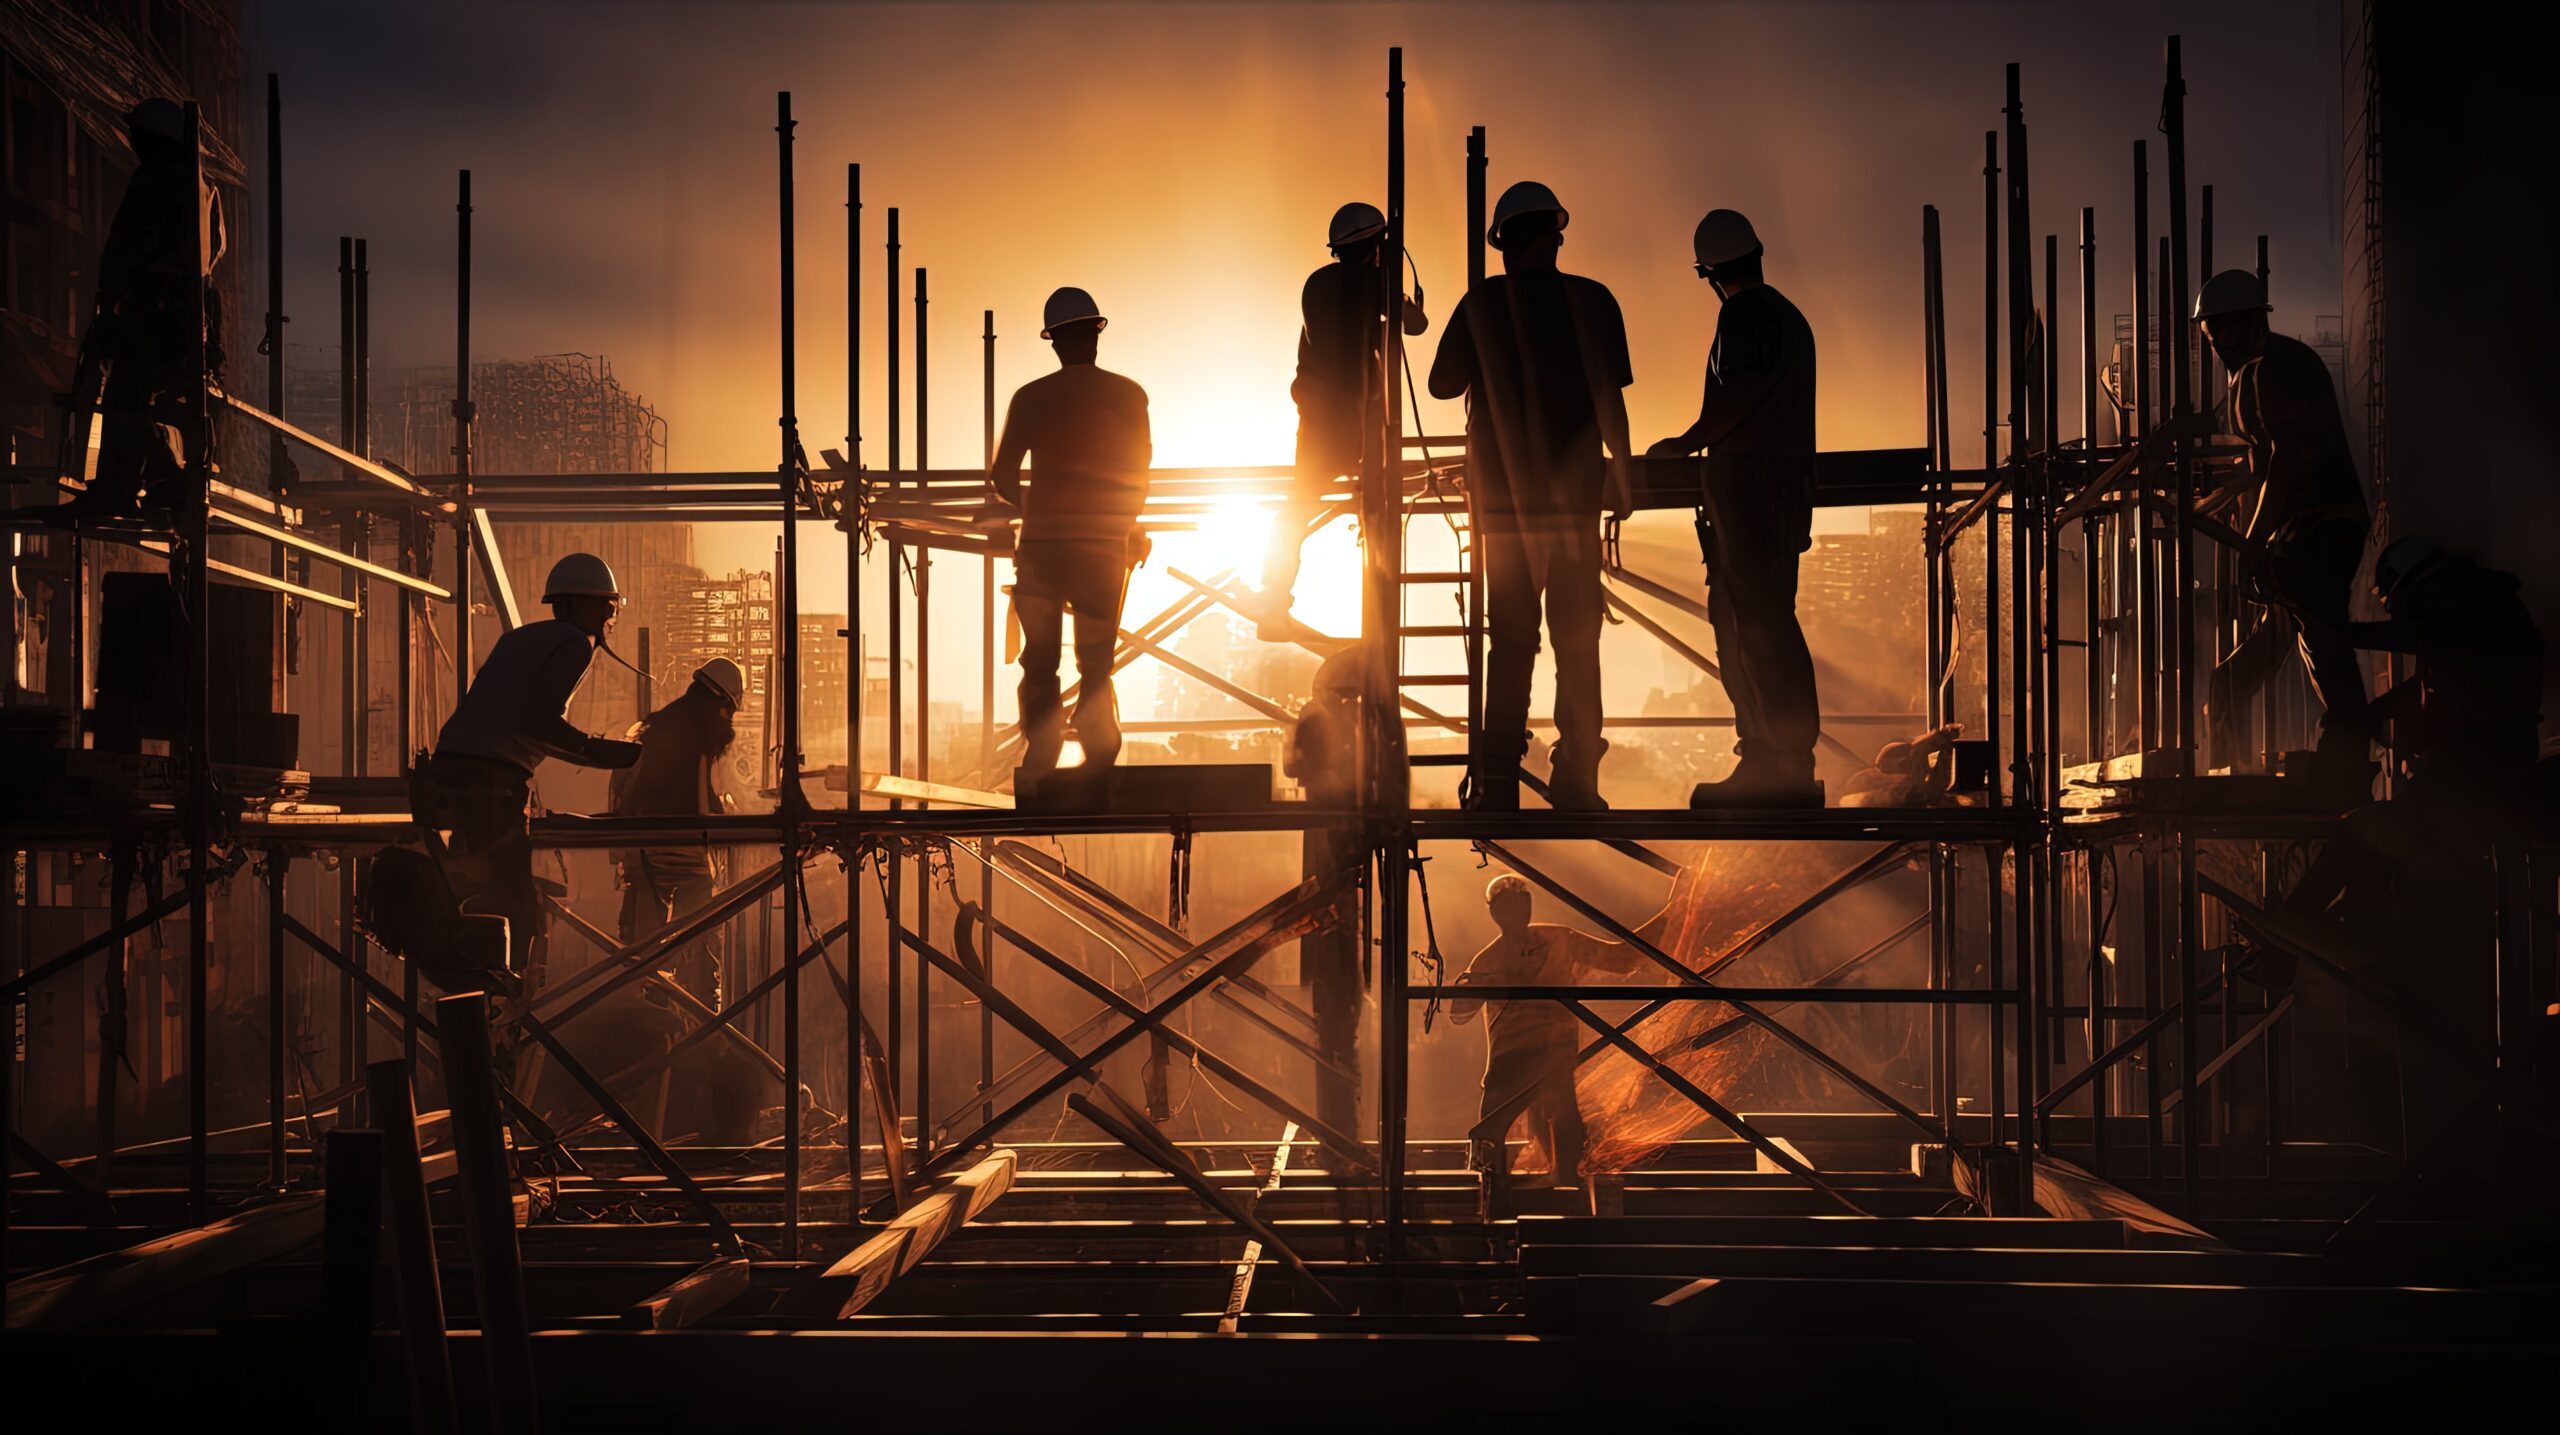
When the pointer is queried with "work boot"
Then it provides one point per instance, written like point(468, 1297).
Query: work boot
point(1756, 784)
point(1494, 785)
point(1573, 782)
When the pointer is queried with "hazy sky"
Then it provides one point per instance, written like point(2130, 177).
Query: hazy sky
point(1181, 162)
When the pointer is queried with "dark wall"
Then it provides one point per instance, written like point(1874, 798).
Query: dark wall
point(2471, 392)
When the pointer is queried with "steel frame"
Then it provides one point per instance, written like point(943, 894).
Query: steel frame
point(2041, 489)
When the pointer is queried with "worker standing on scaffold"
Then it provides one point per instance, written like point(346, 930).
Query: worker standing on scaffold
point(514, 715)
point(1085, 432)
point(166, 237)
point(1541, 357)
point(1339, 364)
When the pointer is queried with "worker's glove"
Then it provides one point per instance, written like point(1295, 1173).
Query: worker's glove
point(611, 752)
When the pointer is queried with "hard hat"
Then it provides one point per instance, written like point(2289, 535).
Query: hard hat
point(1068, 306)
point(2233, 291)
point(159, 118)
point(1723, 237)
point(2405, 559)
point(1354, 222)
point(725, 678)
point(1509, 884)
point(580, 575)
point(1526, 197)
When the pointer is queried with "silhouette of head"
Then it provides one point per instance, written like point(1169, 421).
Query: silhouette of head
point(1728, 252)
point(590, 613)
point(1072, 323)
point(1530, 242)
point(1077, 343)
point(157, 128)
point(2232, 306)
point(1507, 897)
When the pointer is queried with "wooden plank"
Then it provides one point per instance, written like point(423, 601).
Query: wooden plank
point(861, 1274)
point(2072, 1194)
point(697, 1294)
point(105, 1286)
point(1240, 1291)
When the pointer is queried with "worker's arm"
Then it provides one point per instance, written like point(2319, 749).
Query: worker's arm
point(1621, 494)
point(1453, 368)
point(1004, 473)
point(1740, 366)
point(1599, 954)
point(546, 708)
point(2290, 412)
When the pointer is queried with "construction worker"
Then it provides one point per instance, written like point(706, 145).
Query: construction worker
point(1085, 431)
point(2305, 533)
point(513, 716)
point(1755, 424)
point(681, 745)
point(1340, 363)
point(1533, 1045)
point(1541, 357)
point(159, 256)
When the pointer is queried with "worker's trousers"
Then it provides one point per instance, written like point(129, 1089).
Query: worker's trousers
point(656, 893)
point(1760, 648)
point(2310, 575)
point(1545, 1069)
point(1328, 448)
point(1529, 563)
point(1052, 577)
point(485, 804)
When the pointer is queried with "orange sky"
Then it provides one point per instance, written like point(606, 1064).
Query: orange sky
point(1180, 162)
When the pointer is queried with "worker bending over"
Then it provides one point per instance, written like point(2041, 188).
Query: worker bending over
point(1085, 432)
point(513, 716)
point(1533, 1045)
point(681, 745)
point(1541, 357)
point(1341, 366)
point(1755, 520)
point(2305, 533)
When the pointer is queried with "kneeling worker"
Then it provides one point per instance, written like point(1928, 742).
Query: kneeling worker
point(681, 745)
point(1085, 431)
point(1756, 426)
point(513, 716)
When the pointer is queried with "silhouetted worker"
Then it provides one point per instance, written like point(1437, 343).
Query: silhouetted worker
point(1533, 1044)
point(1324, 756)
point(681, 745)
point(2306, 531)
point(2463, 728)
point(1755, 424)
point(514, 715)
point(1542, 358)
point(1085, 430)
point(1340, 366)
point(159, 255)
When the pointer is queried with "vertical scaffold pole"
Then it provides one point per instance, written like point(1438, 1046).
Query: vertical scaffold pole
point(893, 892)
point(786, 593)
point(462, 421)
point(1383, 527)
point(987, 712)
point(924, 736)
point(194, 587)
point(849, 518)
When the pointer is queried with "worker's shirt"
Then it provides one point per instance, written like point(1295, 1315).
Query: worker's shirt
point(1756, 418)
point(2285, 408)
point(516, 709)
point(1533, 353)
point(1548, 955)
point(1343, 325)
point(679, 744)
point(1085, 430)
point(149, 240)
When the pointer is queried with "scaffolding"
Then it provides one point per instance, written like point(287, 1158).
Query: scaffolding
point(2051, 979)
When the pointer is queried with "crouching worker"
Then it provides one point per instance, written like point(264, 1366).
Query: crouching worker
point(1085, 432)
point(1532, 1046)
point(514, 715)
point(681, 745)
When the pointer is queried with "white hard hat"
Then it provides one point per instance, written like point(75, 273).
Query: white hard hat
point(1354, 222)
point(725, 678)
point(580, 575)
point(1509, 884)
point(1526, 197)
point(1724, 237)
point(1068, 306)
point(2233, 291)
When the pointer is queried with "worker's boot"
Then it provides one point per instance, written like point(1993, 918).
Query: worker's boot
point(1494, 785)
point(1573, 780)
point(1761, 783)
